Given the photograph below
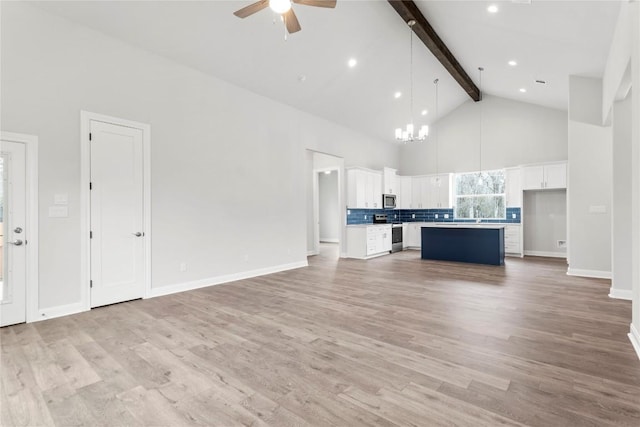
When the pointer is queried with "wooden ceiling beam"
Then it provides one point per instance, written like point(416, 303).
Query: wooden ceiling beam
point(408, 10)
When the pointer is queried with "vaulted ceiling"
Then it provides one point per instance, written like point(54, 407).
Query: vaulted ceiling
point(550, 40)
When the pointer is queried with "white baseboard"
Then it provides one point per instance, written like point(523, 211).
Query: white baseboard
point(596, 274)
point(62, 310)
point(620, 294)
point(329, 240)
point(546, 254)
point(312, 253)
point(203, 283)
point(634, 336)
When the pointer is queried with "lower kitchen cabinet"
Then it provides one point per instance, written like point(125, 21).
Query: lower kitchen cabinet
point(412, 237)
point(368, 241)
point(513, 240)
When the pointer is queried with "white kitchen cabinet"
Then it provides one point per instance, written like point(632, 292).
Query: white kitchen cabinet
point(413, 236)
point(440, 188)
point(547, 176)
point(367, 241)
point(513, 240)
point(513, 187)
point(404, 196)
point(364, 189)
point(390, 179)
point(420, 192)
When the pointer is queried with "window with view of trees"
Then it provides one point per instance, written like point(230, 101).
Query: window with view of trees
point(480, 195)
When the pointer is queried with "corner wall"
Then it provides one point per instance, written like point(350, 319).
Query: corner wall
point(589, 181)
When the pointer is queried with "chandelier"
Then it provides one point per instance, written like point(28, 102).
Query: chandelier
point(408, 134)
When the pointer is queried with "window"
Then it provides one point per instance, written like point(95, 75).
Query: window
point(480, 195)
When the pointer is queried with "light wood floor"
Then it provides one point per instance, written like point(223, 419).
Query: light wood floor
point(389, 341)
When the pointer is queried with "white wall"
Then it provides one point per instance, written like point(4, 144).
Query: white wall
point(589, 181)
point(228, 188)
point(513, 133)
point(621, 211)
point(329, 209)
point(634, 9)
point(617, 76)
point(544, 217)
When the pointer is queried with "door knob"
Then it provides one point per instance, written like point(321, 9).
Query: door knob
point(16, 242)
point(138, 234)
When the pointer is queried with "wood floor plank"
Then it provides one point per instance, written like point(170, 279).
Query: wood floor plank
point(391, 341)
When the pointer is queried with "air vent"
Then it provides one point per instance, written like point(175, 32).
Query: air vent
point(541, 82)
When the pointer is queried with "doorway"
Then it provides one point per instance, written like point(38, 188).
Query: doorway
point(116, 169)
point(326, 216)
point(18, 226)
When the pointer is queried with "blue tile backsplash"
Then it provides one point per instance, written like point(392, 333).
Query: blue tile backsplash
point(365, 216)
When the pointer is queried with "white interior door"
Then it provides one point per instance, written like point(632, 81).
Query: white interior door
point(12, 226)
point(117, 213)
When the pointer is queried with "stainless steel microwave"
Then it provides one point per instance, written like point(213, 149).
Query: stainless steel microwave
point(389, 201)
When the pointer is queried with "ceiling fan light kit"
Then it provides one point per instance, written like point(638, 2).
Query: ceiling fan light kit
point(284, 8)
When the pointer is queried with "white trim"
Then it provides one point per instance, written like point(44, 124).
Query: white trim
point(312, 253)
point(32, 274)
point(634, 337)
point(596, 274)
point(85, 212)
point(620, 294)
point(545, 254)
point(329, 240)
point(203, 283)
point(59, 311)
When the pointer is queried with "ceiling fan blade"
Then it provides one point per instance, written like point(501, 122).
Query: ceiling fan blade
point(291, 21)
point(318, 3)
point(251, 9)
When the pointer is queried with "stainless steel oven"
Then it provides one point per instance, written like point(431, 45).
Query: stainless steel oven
point(396, 237)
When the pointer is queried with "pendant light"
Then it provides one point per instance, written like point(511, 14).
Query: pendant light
point(435, 133)
point(480, 70)
point(408, 134)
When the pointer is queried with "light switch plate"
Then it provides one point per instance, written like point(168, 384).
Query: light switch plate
point(58, 211)
point(446, 216)
point(597, 209)
point(61, 199)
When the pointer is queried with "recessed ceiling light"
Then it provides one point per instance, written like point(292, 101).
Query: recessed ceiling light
point(425, 112)
point(352, 62)
point(492, 8)
point(397, 95)
point(513, 63)
point(523, 90)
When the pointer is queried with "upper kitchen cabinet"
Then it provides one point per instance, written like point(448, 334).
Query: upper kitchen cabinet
point(513, 183)
point(391, 181)
point(420, 192)
point(440, 196)
point(403, 201)
point(542, 177)
point(364, 189)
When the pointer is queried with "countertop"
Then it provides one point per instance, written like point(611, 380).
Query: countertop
point(464, 225)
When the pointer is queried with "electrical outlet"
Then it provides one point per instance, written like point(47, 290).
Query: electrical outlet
point(413, 216)
point(183, 267)
point(562, 243)
point(365, 217)
point(348, 211)
point(446, 216)
point(513, 216)
point(436, 216)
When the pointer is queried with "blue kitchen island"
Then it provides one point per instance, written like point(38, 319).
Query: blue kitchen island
point(474, 243)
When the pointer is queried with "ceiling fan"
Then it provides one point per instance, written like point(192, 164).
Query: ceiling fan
point(283, 7)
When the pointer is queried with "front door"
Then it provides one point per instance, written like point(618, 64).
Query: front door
point(117, 204)
point(13, 224)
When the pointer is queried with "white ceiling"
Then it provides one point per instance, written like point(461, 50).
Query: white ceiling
point(549, 39)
